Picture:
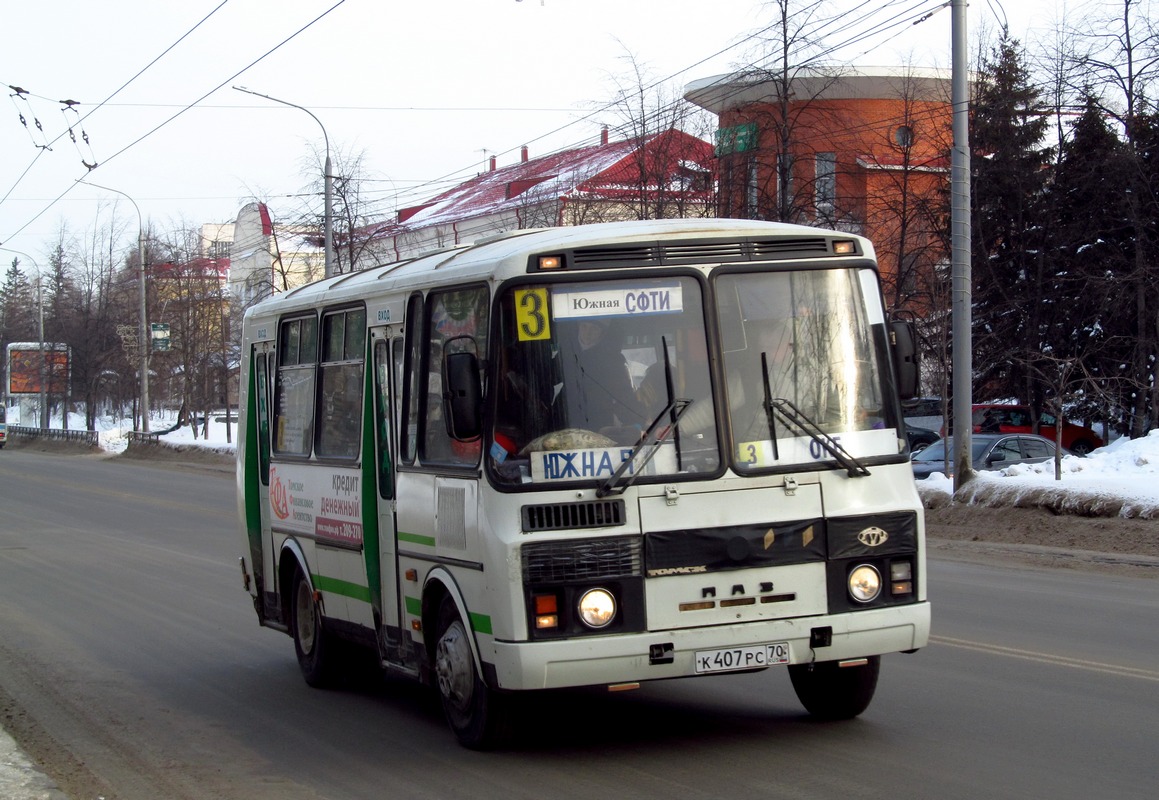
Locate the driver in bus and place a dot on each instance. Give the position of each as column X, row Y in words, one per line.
column 690, row 381
column 600, row 388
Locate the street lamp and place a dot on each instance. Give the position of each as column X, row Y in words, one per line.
column 143, row 339
column 43, row 357
column 327, row 182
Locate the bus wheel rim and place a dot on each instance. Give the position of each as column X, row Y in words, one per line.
column 454, row 667
column 304, row 617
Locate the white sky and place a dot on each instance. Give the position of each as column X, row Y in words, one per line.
column 406, row 84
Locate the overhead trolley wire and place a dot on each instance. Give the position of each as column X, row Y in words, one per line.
column 146, row 135
column 71, row 103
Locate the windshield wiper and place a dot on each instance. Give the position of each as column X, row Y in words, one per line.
column 793, row 416
column 653, row 437
column 670, row 394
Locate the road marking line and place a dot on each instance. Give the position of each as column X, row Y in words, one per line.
column 1047, row 658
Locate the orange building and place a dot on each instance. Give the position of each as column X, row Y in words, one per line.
column 862, row 150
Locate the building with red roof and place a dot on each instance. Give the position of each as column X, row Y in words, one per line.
column 665, row 175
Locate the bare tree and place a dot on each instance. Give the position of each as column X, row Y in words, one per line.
column 665, row 182
column 351, row 209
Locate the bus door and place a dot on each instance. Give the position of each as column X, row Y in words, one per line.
column 438, row 489
column 387, row 382
column 257, row 480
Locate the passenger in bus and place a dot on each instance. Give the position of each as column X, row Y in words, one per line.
column 690, row 381
column 599, row 388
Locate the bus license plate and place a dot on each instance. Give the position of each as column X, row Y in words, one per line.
column 734, row 658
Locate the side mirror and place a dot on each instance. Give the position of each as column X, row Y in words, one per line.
column 903, row 345
column 463, row 395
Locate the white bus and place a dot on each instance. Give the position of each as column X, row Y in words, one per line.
column 588, row 456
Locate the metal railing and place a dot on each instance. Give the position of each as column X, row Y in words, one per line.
column 143, row 438
column 92, row 438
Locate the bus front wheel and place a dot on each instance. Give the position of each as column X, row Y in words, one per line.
column 312, row 641
column 474, row 711
column 832, row 692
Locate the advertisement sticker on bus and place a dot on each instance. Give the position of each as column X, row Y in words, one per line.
column 322, row 504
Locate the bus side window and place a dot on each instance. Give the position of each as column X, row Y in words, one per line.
column 341, row 368
column 383, row 405
column 261, row 363
column 412, row 365
column 456, row 313
column 294, row 388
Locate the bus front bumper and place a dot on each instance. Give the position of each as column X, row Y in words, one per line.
column 626, row 658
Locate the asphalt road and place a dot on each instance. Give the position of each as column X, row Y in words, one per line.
column 131, row 666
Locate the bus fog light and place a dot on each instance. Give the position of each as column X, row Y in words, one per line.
column 901, row 571
column 597, row 608
column 864, row 583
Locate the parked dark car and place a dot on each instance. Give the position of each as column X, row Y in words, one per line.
column 988, row 451
column 919, row 438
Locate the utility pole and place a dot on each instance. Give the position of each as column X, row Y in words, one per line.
column 962, row 355
column 327, row 183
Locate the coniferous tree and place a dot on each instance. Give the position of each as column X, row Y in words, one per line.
column 1009, row 173
column 1144, row 194
column 1091, row 255
column 17, row 306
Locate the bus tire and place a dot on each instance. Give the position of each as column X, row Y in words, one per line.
column 473, row 710
column 312, row 642
column 830, row 692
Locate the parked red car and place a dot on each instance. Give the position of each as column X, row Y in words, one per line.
column 1002, row 418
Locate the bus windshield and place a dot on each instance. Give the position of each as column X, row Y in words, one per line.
column 803, row 370
column 584, row 368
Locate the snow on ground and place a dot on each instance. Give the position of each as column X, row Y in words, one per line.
column 114, row 432
column 1121, row 479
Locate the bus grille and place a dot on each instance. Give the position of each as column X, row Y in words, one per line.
column 561, row 516
column 582, row 560
column 704, row 252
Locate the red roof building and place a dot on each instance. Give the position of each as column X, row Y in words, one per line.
column 665, row 175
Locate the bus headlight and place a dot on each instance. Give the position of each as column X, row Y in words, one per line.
column 864, row 583
column 597, row 608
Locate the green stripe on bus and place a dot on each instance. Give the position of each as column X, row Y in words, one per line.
column 480, row 623
column 344, row 588
column 415, row 538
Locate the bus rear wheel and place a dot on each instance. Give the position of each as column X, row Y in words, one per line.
column 312, row 642
column 832, row 692
column 474, row 711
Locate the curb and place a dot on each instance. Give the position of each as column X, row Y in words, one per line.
column 20, row 779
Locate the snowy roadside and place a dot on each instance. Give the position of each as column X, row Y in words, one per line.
column 1119, row 480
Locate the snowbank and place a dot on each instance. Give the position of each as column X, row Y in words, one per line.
column 1121, row 479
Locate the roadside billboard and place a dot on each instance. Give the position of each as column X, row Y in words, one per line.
column 27, row 362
